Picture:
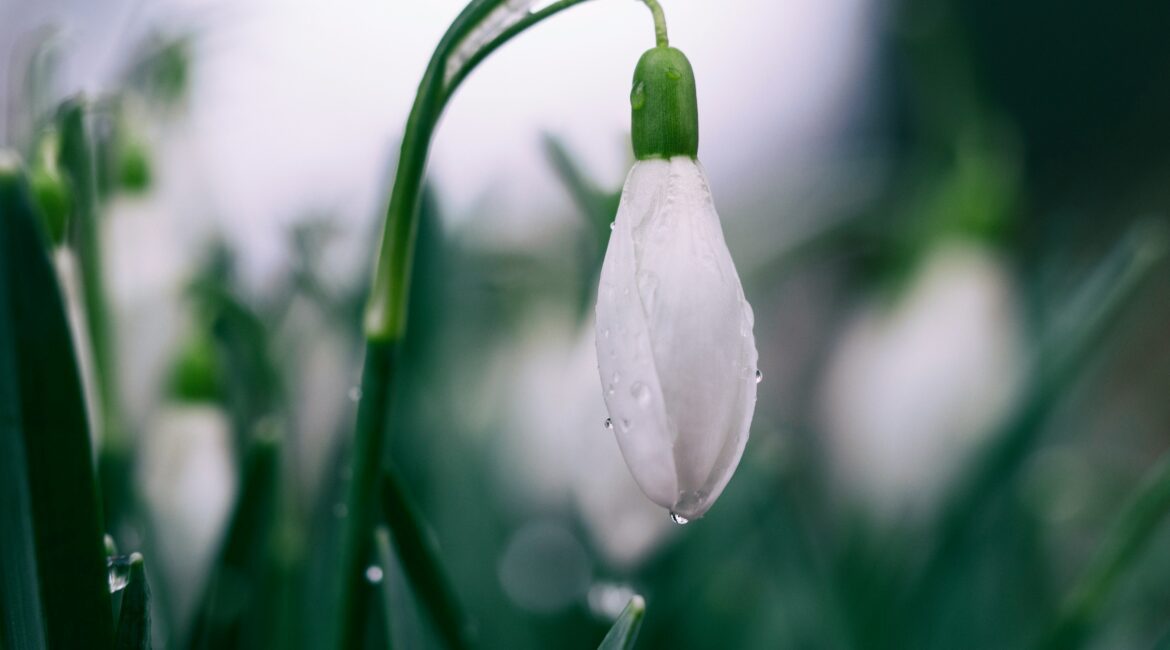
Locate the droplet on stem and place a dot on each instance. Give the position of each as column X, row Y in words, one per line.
column 119, row 572
column 374, row 574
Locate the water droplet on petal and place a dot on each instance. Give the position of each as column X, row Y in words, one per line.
column 374, row 574
column 608, row 422
column 759, row 375
column 678, row 519
column 119, row 572
column 611, row 225
column 355, row 394
column 617, row 378
column 641, row 392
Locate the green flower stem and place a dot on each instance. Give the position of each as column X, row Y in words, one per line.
column 659, row 23
column 77, row 158
column 386, row 310
column 1123, row 545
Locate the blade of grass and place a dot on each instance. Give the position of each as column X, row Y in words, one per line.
column 419, row 556
column 624, row 632
column 133, row 631
column 65, row 505
column 399, row 611
column 231, row 613
column 1085, row 328
column 1123, row 545
column 21, row 619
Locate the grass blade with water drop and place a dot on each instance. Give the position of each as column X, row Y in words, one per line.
column 66, row 523
column 133, row 631
column 624, row 632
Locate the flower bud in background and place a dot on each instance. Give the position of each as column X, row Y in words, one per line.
column 915, row 386
column 50, row 189
column 675, row 347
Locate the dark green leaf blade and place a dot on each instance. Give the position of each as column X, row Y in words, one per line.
column 624, row 632
column 21, row 619
column 66, row 521
column 420, row 560
column 1123, row 545
column 134, row 621
column 231, row 613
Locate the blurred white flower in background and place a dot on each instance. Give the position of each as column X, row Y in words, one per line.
column 189, row 484
column 916, row 385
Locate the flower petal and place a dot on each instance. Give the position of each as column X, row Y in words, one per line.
column 674, row 326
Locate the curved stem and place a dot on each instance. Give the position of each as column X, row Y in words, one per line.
column 505, row 36
column 659, row 23
column 385, row 316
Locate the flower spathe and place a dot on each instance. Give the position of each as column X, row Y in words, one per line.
column 675, row 347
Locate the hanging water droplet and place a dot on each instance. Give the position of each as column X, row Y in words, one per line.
column 759, row 375
column 611, row 225
column 355, row 394
column 340, row 510
column 641, row 393
column 608, row 423
column 374, row 574
column 678, row 519
column 119, row 572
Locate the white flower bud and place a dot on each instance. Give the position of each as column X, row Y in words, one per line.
column 674, row 339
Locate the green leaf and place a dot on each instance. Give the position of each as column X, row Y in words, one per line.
column 134, row 621
column 1123, row 545
column 625, row 630
column 235, row 608
column 419, row 556
column 21, row 619
column 399, row 609
column 43, row 388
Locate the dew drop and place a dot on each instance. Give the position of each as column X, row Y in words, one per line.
column 605, row 333
column 374, row 574
column 119, row 572
column 355, row 394
column 611, row 225
column 759, row 375
column 638, row 96
column 608, row 422
column 678, row 519
column 641, row 393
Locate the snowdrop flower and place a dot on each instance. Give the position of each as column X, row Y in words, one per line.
column 674, row 333
column 914, row 387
